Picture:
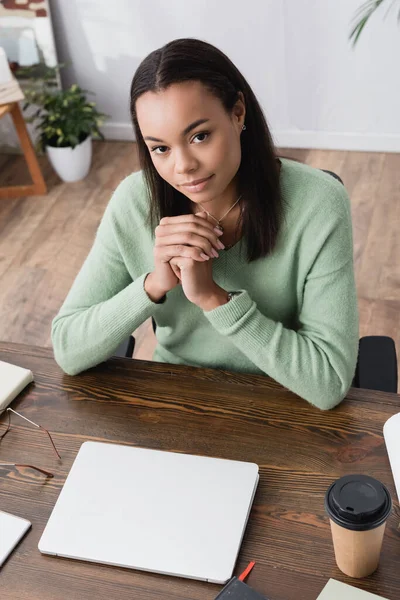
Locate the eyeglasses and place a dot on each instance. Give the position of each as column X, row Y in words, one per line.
column 8, row 427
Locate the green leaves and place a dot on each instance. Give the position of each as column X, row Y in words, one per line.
column 64, row 118
column 363, row 15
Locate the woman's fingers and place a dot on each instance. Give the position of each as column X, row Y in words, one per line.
column 191, row 228
column 178, row 264
column 176, row 270
column 188, row 239
column 165, row 253
column 195, row 226
column 187, row 219
column 193, row 222
column 184, row 234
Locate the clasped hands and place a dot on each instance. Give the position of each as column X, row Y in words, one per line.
column 185, row 248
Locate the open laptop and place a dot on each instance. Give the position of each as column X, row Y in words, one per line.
column 163, row 512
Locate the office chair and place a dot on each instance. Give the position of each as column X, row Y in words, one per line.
column 376, row 364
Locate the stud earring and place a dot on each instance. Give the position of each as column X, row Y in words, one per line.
column 244, row 127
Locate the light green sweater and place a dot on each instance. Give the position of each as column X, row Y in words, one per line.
column 295, row 319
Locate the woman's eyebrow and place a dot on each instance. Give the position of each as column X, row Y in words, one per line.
column 187, row 130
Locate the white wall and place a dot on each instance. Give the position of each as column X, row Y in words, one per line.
column 315, row 89
column 339, row 97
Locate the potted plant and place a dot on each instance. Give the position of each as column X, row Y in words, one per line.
column 66, row 123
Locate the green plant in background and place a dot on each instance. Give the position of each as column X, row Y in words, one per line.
column 64, row 118
column 363, row 15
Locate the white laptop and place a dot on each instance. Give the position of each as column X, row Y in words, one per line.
column 163, row 512
column 391, row 433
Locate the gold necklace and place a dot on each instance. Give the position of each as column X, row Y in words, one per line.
column 218, row 221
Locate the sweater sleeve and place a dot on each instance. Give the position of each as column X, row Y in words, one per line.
column 317, row 360
column 104, row 305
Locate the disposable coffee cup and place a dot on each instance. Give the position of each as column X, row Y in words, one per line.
column 358, row 507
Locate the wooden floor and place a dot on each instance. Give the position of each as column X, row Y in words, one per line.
column 44, row 240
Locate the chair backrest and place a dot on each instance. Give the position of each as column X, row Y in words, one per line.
column 377, row 364
column 333, row 175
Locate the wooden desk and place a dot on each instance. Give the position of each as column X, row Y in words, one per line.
column 300, row 451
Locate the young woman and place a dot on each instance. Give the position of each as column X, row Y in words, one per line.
column 244, row 261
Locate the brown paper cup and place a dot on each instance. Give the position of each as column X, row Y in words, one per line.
column 358, row 507
column 357, row 552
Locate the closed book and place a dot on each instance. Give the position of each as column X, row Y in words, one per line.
column 237, row 590
column 13, row 380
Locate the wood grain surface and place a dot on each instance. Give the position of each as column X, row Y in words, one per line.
column 300, row 450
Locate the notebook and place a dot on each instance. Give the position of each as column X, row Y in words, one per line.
column 391, row 433
column 335, row 590
column 238, row 590
column 164, row 512
column 13, row 380
column 12, row 529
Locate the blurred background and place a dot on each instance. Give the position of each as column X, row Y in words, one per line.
column 316, row 89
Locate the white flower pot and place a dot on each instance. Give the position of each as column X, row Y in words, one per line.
column 71, row 164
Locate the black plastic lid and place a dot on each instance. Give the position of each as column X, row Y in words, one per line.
column 358, row 502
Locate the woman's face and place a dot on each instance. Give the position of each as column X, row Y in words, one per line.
column 190, row 137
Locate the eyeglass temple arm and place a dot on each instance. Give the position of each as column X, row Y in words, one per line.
column 32, row 423
column 51, row 440
column 47, row 473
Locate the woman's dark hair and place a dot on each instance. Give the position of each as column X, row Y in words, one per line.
column 258, row 175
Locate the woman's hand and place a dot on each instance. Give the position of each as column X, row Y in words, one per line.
column 197, row 280
column 185, row 236
column 189, row 236
column 198, row 284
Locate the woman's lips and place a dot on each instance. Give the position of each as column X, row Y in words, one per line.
column 197, row 187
